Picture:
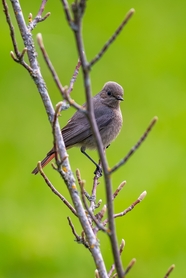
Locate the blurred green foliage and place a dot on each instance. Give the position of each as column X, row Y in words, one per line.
column 148, row 59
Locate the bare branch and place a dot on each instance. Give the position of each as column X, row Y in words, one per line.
column 78, row 12
column 94, row 188
column 97, row 274
column 122, row 245
column 19, row 56
column 63, row 90
column 120, row 187
column 67, row 13
column 171, row 268
column 98, row 224
column 38, row 18
column 54, row 190
column 140, row 198
column 79, row 239
column 49, row 64
column 74, row 77
column 57, row 113
column 67, row 175
column 138, row 144
column 12, row 33
column 110, row 41
column 130, row 265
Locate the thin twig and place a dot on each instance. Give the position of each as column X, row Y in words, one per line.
column 12, row 33
column 42, row 7
column 63, row 90
column 97, row 274
column 68, row 16
column 120, row 187
column 57, row 113
column 19, row 56
column 110, row 41
column 98, row 224
column 171, row 268
column 138, row 144
column 38, row 18
column 82, row 184
column 100, row 214
column 130, row 265
column 79, row 239
column 49, row 64
column 94, row 188
column 122, row 245
column 54, row 190
column 140, row 198
column 74, row 77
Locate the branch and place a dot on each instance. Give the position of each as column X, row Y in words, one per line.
column 122, row 245
column 38, row 18
column 63, row 90
column 78, row 10
column 110, row 41
column 54, row 190
column 96, row 221
column 171, row 268
column 138, row 144
column 79, row 239
column 67, row 175
column 17, row 57
column 140, row 198
column 130, row 265
column 120, row 187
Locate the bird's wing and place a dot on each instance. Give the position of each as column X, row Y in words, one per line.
column 78, row 128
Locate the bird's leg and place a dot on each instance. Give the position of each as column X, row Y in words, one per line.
column 98, row 167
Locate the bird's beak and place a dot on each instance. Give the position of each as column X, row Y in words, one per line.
column 119, row 98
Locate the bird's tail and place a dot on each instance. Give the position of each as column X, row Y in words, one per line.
column 45, row 161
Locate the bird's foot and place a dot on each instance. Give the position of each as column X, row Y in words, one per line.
column 98, row 171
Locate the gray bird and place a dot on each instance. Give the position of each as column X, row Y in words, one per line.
column 109, row 120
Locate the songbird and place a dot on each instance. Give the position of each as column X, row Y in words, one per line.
column 109, row 120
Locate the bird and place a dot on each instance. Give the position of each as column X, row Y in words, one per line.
column 77, row 132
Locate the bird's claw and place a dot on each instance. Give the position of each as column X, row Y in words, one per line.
column 98, row 171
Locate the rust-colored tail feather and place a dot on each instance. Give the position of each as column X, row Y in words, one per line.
column 44, row 162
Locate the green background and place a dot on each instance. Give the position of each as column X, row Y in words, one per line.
column 148, row 59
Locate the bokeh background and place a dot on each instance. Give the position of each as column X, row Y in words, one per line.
column 148, row 59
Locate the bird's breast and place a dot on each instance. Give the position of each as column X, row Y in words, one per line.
column 110, row 132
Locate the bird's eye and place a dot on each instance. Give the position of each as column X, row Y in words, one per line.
column 109, row 93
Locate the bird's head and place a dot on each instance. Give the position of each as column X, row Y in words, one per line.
column 111, row 94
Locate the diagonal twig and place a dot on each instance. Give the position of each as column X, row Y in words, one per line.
column 120, row 187
column 140, row 198
column 130, row 265
column 54, row 190
column 110, row 41
column 79, row 239
column 122, row 245
column 138, row 144
column 63, row 90
column 17, row 57
column 171, row 268
column 38, row 18
column 96, row 221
